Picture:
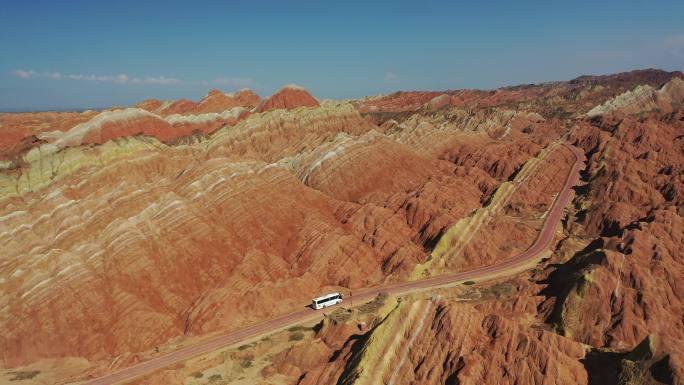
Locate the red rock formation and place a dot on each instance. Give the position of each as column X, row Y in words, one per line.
column 627, row 277
column 125, row 123
column 216, row 101
column 116, row 124
column 396, row 102
column 285, row 133
column 438, row 102
column 644, row 98
column 628, row 80
column 247, row 98
column 399, row 196
column 158, row 285
column 430, row 342
column 165, row 285
column 151, row 105
column 510, row 221
column 301, row 358
column 498, row 159
column 206, row 123
column 182, row 106
column 17, row 129
column 114, row 242
column 415, row 100
column 291, row 96
column 577, row 95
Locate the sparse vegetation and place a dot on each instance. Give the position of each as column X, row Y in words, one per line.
column 498, row 290
column 246, row 363
column 468, row 283
column 225, row 354
column 495, row 291
column 24, row 375
column 296, row 336
column 374, row 305
column 197, row 375
column 340, row 315
column 245, row 346
column 634, row 373
column 298, row 328
column 215, row 377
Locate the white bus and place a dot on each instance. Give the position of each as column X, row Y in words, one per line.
column 326, row 300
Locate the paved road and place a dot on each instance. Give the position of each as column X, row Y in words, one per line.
column 541, row 243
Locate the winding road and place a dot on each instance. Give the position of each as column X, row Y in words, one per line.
column 543, row 241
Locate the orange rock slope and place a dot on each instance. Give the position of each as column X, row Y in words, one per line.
column 436, row 342
column 625, row 285
column 161, row 237
column 214, row 101
column 290, row 96
column 130, row 229
column 23, row 131
column 611, row 300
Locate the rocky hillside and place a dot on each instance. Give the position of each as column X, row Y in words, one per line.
column 606, row 308
column 130, row 230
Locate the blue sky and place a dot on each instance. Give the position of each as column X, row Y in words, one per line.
column 78, row 54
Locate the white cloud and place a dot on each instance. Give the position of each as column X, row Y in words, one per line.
column 161, row 80
column 115, row 79
column 237, row 82
column 391, row 77
column 234, row 82
column 24, row 74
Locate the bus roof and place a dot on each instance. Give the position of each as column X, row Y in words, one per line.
column 326, row 296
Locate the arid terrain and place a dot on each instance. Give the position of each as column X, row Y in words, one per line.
column 131, row 233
